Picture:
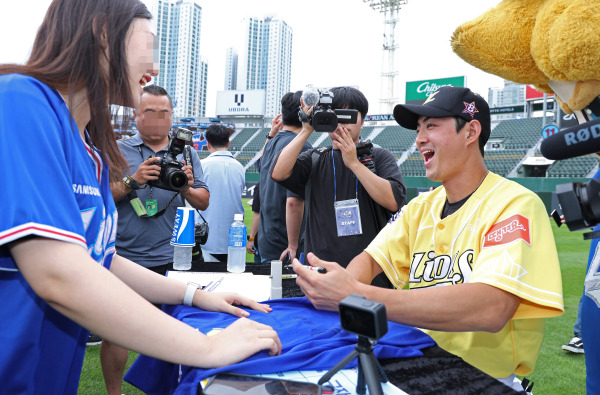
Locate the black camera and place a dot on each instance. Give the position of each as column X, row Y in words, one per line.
column 323, row 118
column 363, row 317
column 580, row 203
column 364, row 151
column 171, row 176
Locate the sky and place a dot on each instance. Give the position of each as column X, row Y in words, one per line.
column 335, row 42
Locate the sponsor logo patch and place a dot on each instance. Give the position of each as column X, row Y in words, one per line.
column 507, row 231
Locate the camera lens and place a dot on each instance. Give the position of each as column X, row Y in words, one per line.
column 176, row 178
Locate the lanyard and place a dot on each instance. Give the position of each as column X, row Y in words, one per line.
column 133, row 195
column 334, row 180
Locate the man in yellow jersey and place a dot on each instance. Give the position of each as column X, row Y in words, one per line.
column 477, row 253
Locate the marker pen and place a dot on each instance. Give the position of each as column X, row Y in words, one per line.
column 318, row 269
column 301, row 258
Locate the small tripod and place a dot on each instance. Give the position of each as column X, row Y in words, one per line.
column 368, row 368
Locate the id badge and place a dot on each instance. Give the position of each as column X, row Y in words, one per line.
column 151, row 207
column 347, row 218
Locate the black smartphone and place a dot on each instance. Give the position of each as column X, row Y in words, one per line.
column 286, row 260
column 234, row 384
column 556, row 217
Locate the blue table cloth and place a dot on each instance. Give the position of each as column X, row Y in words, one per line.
column 312, row 340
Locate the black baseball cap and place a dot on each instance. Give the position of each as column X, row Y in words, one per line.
column 447, row 101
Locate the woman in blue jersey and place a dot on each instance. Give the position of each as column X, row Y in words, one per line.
column 58, row 219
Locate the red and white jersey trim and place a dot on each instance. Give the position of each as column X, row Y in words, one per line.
column 32, row 228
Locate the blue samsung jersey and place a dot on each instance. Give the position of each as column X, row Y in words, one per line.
column 53, row 185
column 312, row 340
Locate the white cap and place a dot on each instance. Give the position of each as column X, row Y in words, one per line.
column 238, row 217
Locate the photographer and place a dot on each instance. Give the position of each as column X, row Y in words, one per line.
column 137, row 236
column 337, row 181
column 146, row 241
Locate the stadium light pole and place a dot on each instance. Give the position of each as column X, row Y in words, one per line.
column 390, row 10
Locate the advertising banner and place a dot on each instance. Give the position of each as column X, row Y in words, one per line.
column 241, row 103
column 418, row 91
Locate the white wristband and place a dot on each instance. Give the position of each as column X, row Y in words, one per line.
column 190, row 291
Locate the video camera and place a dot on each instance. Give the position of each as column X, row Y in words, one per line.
column 363, row 317
column 323, row 118
column 171, row 176
column 580, row 203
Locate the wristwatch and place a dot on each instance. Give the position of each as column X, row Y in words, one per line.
column 131, row 183
column 269, row 137
column 190, row 291
column 249, row 238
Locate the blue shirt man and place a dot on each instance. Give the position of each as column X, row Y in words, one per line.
column 146, row 241
column 225, row 177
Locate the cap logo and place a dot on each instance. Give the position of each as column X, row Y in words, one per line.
column 470, row 109
column 431, row 97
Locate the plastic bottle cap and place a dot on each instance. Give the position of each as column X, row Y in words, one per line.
column 238, row 217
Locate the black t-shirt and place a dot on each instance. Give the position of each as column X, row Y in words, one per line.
column 272, row 230
column 321, row 231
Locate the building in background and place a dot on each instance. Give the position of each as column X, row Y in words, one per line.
column 231, row 65
column 509, row 101
column 182, row 71
column 265, row 60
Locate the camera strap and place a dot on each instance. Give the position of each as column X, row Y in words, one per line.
column 139, row 208
column 200, row 214
column 304, row 117
column 137, row 205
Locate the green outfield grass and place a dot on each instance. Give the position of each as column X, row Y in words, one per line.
column 557, row 372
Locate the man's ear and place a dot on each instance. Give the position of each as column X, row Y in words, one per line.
column 473, row 132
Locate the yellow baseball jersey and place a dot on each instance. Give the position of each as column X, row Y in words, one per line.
column 502, row 237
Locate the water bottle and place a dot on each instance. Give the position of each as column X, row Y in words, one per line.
column 236, row 252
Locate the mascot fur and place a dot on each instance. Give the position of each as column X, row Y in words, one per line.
column 551, row 44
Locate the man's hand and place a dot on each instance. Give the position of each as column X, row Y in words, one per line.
column 224, row 302
column 276, row 125
column 342, row 140
column 147, row 171
column 324, row 290
column 284, row 255
column 250, row 247
column 308, row 111
column 189, row 172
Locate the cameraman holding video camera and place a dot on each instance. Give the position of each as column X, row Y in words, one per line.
column 145, row 239
column 347, row 201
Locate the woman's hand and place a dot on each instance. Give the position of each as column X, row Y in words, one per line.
column 240, row 340
column 225, row 302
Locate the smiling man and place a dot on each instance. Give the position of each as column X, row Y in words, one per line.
column 477, row 253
